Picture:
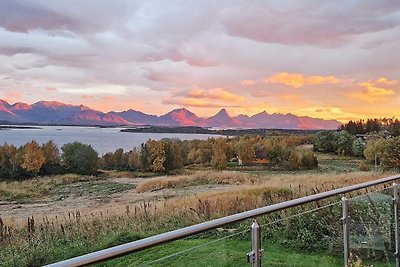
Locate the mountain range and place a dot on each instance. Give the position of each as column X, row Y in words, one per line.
column 52, row 112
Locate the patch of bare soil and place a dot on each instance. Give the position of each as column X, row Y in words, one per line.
column 61, row 205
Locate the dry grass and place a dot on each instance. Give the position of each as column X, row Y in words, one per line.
column 309, row 183
column 199, row 207
column 128, row 174
column 208, row 205
column 39, row 239
column 303, row 183
column 150, row 215
column 37, row 187
column 208, row 177
column 88, row 229
column 266, row 191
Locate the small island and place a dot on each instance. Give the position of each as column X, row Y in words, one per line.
column 10, row 127
column 225, row 132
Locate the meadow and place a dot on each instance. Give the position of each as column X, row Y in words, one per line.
column 69, row 215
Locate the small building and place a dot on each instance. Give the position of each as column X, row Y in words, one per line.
column 256, row 162
column 373, row 136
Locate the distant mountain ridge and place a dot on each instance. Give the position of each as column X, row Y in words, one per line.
column 52, row 112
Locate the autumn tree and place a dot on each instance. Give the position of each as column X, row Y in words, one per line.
column 219, row 149
column 51, row 153
column 52, row 156
column 7, row 153
column 390, row 158
column 274, row 150
column 173, row 154
column 375, row 149
column 33, row 158
column 201, row 153
column 294, row 160
column 309, row 160
column 117, row 160
column 155, row 151
column 134, row 160
column 8, row 160
column 245, row 150
column 194, row 156
column 107, row 161
column 185, row 148
column 120, row 159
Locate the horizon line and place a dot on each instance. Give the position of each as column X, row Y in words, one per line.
column 186, row 108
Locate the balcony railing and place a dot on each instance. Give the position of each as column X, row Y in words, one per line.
column 353, row 231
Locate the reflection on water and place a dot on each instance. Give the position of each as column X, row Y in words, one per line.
column 102, row 139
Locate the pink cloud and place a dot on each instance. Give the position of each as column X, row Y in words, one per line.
column 13, row 96
column 324, row 24
column 108, row 97
column 51, row 89
column 87, row 96
column 214, row 94
column 298, row 100
column 105, row 97
column 248, row 82
column 190, row 102
column 206, row 98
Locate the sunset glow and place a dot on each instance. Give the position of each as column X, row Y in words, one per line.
column 332, row 60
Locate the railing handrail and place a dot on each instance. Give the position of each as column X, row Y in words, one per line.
column 128, row 248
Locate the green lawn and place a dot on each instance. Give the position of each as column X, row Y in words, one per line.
column 225, row 253
column 94, row 189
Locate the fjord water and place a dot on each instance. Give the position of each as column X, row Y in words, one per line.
column 102, row 139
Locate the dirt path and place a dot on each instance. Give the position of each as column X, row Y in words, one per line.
column 116, row 202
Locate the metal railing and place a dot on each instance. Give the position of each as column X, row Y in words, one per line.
column 256, row 254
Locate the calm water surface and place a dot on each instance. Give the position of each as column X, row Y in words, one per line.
column 102, row 139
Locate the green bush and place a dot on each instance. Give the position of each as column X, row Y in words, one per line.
column 323, row 141
column 80, row 158
column 391, row 154
column 375, row 148
column 358, row 148
column 294, row 161
column 342, row 143
column 308, row 160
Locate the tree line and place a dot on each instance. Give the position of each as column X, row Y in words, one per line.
column 165, row 155
column 380, row 150
column 162, row 156
column 392, row 125
column 33, row 159
column 168, row 154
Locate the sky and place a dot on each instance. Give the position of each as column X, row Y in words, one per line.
column 327, row 59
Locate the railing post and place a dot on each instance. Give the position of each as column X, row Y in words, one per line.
column 396, row 223
column 345, row 220
column 254, row 257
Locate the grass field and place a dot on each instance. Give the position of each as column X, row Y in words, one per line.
column 77, row 214
column 230, row 253
column 223, row 253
